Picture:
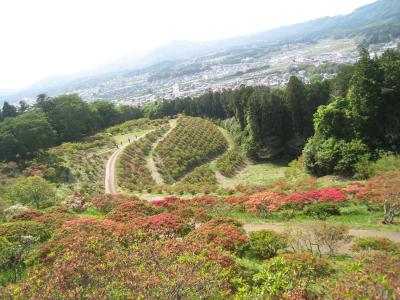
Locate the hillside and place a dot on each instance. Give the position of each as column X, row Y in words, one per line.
column 251, row 193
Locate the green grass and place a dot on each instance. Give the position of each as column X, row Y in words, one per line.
column 91, row 212
column 255, row 174
column 356, row 217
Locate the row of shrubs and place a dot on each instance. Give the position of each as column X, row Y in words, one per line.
column 132, row 171
column 230, row 163
column 192, row 142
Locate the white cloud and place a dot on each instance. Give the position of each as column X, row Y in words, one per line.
column 52, row 37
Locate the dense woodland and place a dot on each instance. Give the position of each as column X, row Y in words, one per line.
column 51, row 121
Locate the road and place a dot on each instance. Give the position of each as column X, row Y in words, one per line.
column 110, row 178
column 344, row 249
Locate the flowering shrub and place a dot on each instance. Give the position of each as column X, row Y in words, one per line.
column 107, row 202
column 14, row 210
column 166, row 224
column 226, row 233
column 76, row 202
column 326, row 194
column 354, row 189
column 28, row 215
column 266, row 202
column 91, row 265
column 132, row 209
column 54, row 217
column 384, row 189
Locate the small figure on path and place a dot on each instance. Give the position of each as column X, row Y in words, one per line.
column 129, row 140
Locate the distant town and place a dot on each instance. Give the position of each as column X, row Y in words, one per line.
column 267, row 67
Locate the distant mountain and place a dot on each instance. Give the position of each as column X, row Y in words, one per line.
column 380, row 19
column 373, row 23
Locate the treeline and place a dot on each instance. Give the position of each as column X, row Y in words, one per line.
column 50, row 121
column 350, row 120
column 270, row 122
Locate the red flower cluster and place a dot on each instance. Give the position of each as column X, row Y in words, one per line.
column 226, row 233
column 166, row 224
column 273, row 201
column 354, row 189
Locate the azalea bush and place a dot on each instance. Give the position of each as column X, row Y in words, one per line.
column 373, row 275
column 383, row 190
column 287, row 277
column 375, row 243
column 322, row 210
column 94, row 258
column 222, row 232
column 107, row 202
column 265, row 244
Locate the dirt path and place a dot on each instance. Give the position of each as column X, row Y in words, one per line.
column 221, row 179
column 110, row 178
column 150, row 161
column 354, row 233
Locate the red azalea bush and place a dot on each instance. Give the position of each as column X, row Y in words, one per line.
column 379, row 188
column 106, row 202
column 129, row 210
column 29, row 215
column 165, row 224
column 193, row 211
column 53, row 217
column 272, row 201
column 226, row 233
column 85, row 262
column 266, row 202
column 353, row 189
column 383, row 191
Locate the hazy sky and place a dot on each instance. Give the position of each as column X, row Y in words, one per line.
column 40, row 38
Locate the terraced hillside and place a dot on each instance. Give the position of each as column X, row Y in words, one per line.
column 132, row 166
column 193, row 142
column 82, row 163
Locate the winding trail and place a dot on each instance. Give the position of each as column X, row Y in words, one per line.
column 110, row 178
column 150, row 161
